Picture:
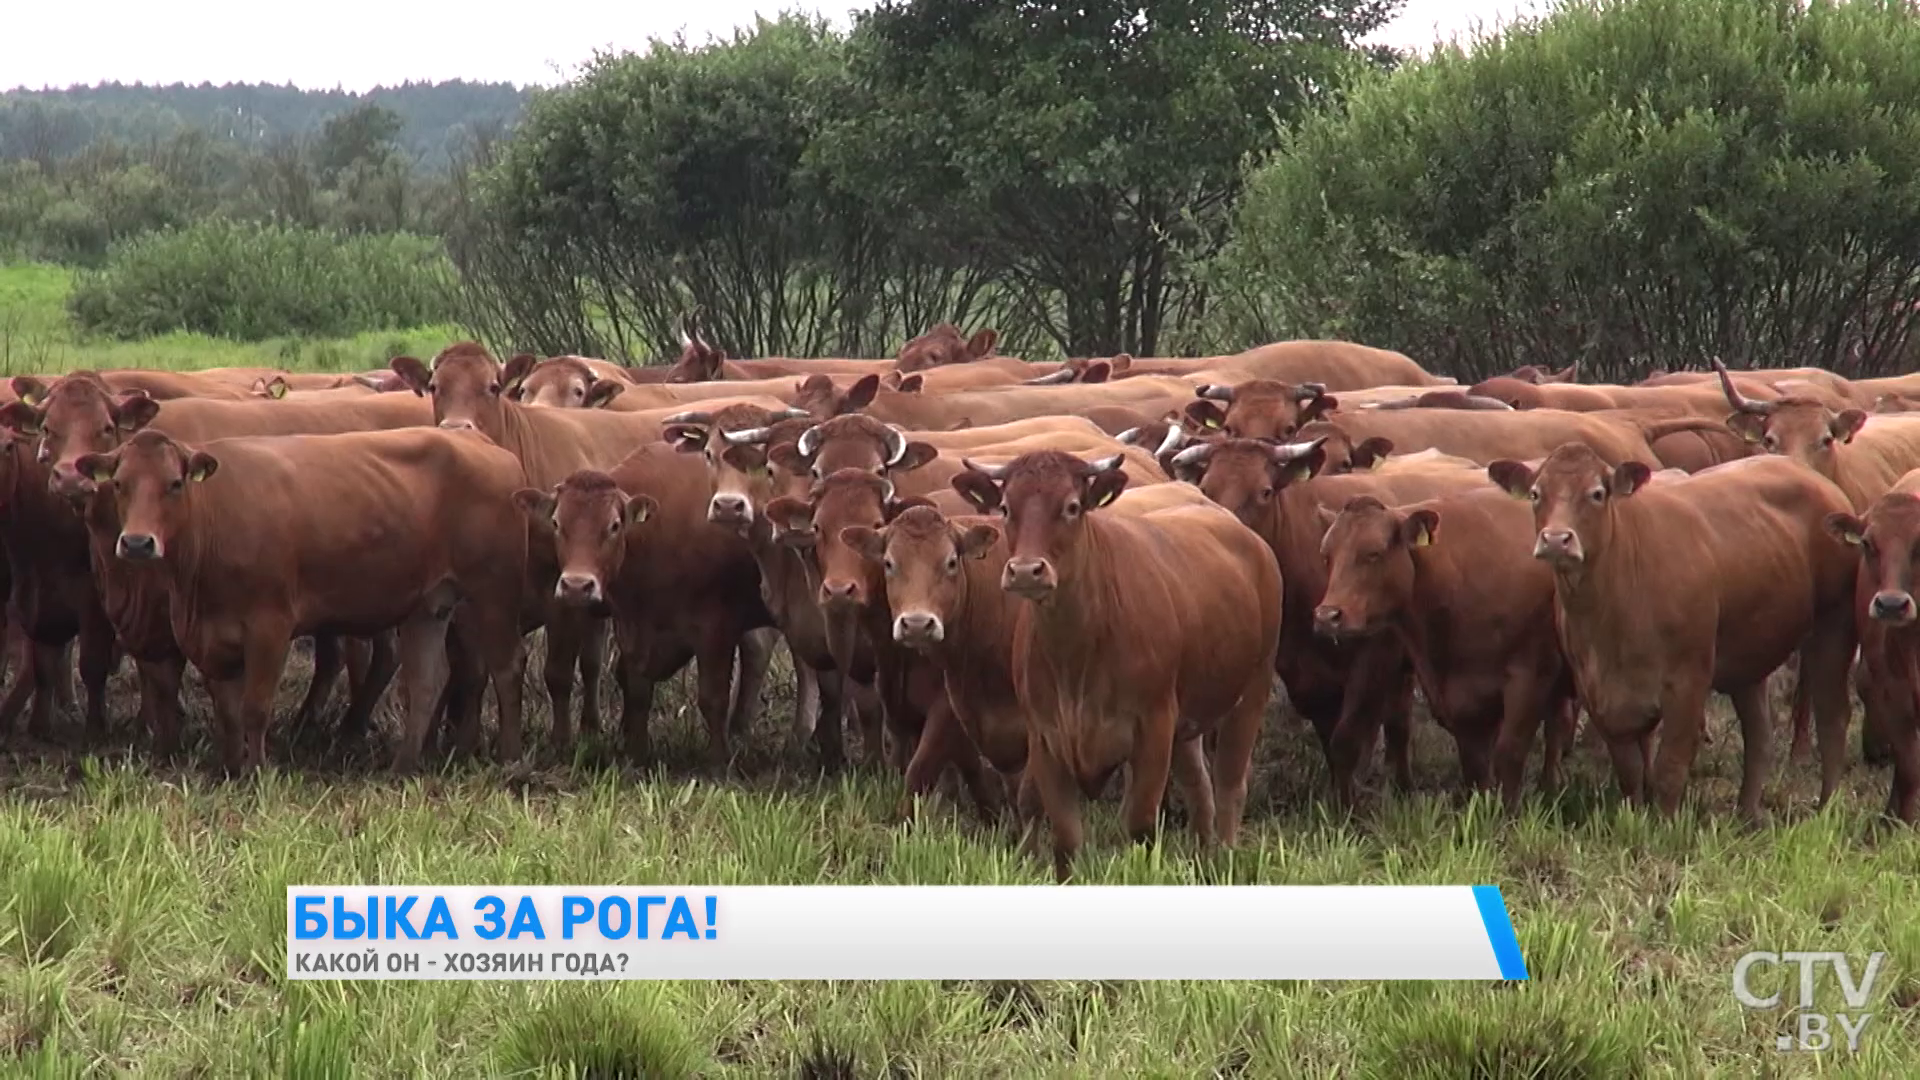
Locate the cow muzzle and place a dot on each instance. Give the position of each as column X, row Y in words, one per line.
column 729, row 509
column 840, row 594
column 1331, row 622
column 1892, row 606
column 138, row 547
column 577, row 589
column 1558, row 545
column 455, row 424
column 65, row 481
column 1031, row 579
column 916, row 629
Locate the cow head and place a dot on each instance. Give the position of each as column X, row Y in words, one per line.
column 943, row 345
column 699, row 361
column 591, row 520
column 1164, row 439
column 151, row 479
column 562, row 382
column 1245, row 475
column 1573, row 495
column 1045, row 496
column 847, row 499
column 1535, row 375
column 1259, row 408
column 1888, row 540
column 467, row 386
column 1369, row 553
column 1798, row 427
column 818, row 395
column 273, row 389
column 1515, row 392
column 856, row 441
column 919, row 554
column 75, row 416
column 734, row 441
column 1343, row 454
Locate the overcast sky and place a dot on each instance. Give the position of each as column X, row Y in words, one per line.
column 358, row 44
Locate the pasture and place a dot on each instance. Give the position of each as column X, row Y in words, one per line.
column 142, row 907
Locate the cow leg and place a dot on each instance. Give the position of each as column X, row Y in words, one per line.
column 99, row 654
column 466, row 691
column 327, row 662
column 1375, row 685
column 1196, row 790
column 1060, row 797
column 1628, row 744
column 1683, row 712
column 756, row 655
column 1233, row 757
column 806, row 701
column 1756, row 737
column 566, row 632
column 943, row 742
column 636, row 692
column 160, row 703
column 49, row 676
column 266, row 662
column 423, row 667
column 228, row 711
column 502, row 648
column 714, row 692
column 1521, row 705
column 828, row 737
column 592, row 664
column 365, row 689
column 61, row 678
column 1148, row 769
column 1874, row 747
column 22, row 688
column 1902, row 733
column 1801, row 719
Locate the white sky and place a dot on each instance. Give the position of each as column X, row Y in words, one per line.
column 358, row 44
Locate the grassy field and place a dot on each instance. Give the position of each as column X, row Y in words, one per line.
column 142, row 915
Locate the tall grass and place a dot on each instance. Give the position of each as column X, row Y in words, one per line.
column 249, row 282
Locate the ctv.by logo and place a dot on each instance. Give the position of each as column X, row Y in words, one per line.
column 1814, row 1030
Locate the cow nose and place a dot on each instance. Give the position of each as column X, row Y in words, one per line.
column 1556, row 544
column 915, row 627
column 66, row 480
column 451, row 424
column 577, row 587
column 1028, row 576
column 724, row 507
column 1892, row 606
column 838, row 592
column 1327, row 619
column 138, row 546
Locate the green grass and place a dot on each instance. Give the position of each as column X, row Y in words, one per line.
column 36, row 337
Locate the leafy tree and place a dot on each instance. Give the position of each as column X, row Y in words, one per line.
column 365, row 136
column 1092, row 148
column 1648, row 182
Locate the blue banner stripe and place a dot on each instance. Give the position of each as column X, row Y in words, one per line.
column 1506, row 947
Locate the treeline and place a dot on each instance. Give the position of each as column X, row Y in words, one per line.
column 1634, row 183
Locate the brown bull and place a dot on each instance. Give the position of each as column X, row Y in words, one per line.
column 681, row 589
column 1454, row 580
column 1347, row 691
column 1666, row 592
column 264, row 540
column 1142, row 635
column 1888, row 540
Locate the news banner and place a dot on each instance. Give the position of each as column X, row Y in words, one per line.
column 901, row 932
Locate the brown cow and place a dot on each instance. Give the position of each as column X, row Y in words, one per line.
column 1455, row 581
column 1707, row 583
column 1143, row 634
column 1258, row 408
column 1336, row 365
column 565, row 382
column 1347, row 690
column 637, row 539
column 1888, row 540
column 1530, row 433
column 981, row 408
column 265, row 540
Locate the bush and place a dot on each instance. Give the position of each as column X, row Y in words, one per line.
column 251, row 282
column 1643, row 183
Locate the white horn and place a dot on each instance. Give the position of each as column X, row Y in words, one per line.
column 1064, row 375
column 1106, row 464
column 1307, row 391
column 693, row 416
column 809, row 441
column 747, row 437
column 792, row 414
column 1215, row 392
column 1173, row 439
column 1194, row 455
column 991, row 472
column 896, row 446
column 1296, row 451
column 1128, row 436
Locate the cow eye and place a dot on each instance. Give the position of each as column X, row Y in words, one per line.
column 1598, row 494
column 815, row 472
column 1770, row 443
column 886, row 563
column 432, row 387
column 1534, row 495
column 613, row 527
column 1072, row 509
column 1266, row 493
column 176, row 485
column 1286, row 432
column 108, row 430
column 493, row 388
column 1826, row 441
column 953, row 563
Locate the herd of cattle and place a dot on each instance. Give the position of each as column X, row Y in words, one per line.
column 1032, row 573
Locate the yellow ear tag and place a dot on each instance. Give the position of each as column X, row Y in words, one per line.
column 197, row 475
column 277, row 388
column 101, row 476
column 1422, row 538
column 1213, row 421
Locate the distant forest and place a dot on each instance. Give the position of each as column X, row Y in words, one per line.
column 436, row 118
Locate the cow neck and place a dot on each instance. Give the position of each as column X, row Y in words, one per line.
column 1085, row 608
column 518, row 435
column 1601, row 594
column 1292, row 520
column 977, row 642
column 1414, row 631
column 193, row 560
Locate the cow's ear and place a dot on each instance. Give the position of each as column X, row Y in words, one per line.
column 1303, row 468
column 686, row 438
column 787, row 456
column 1122, row 363
column 276, row 388
column 896, row 507
column 870, row 543
column 916, row 455
column 202, row 466
column 1749, row 426
column 97, row 467
column 134, row 413
column 1206, row 413
column 1512, row 477
column 1420, row 527
column 412, row 372
column 20, row 418
column 1096, row 371
column 1630, row 477
column 978, row 489
column 1848, row 424
column 912, row 384
column 29, row 389
column 602, row 393
column 1316, row 407
column 536, row 504
column 639, row 508
column 1846, row 528
column 860, row 394
column 976, row 541
column 1371, row 453
column 982, row 343
column 1326, row 516
column 516, row 371
column 1105, row 487
column 792, row 521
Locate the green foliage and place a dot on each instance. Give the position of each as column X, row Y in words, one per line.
column 1641, row 182
column 617, row 1035
column 249, row 282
